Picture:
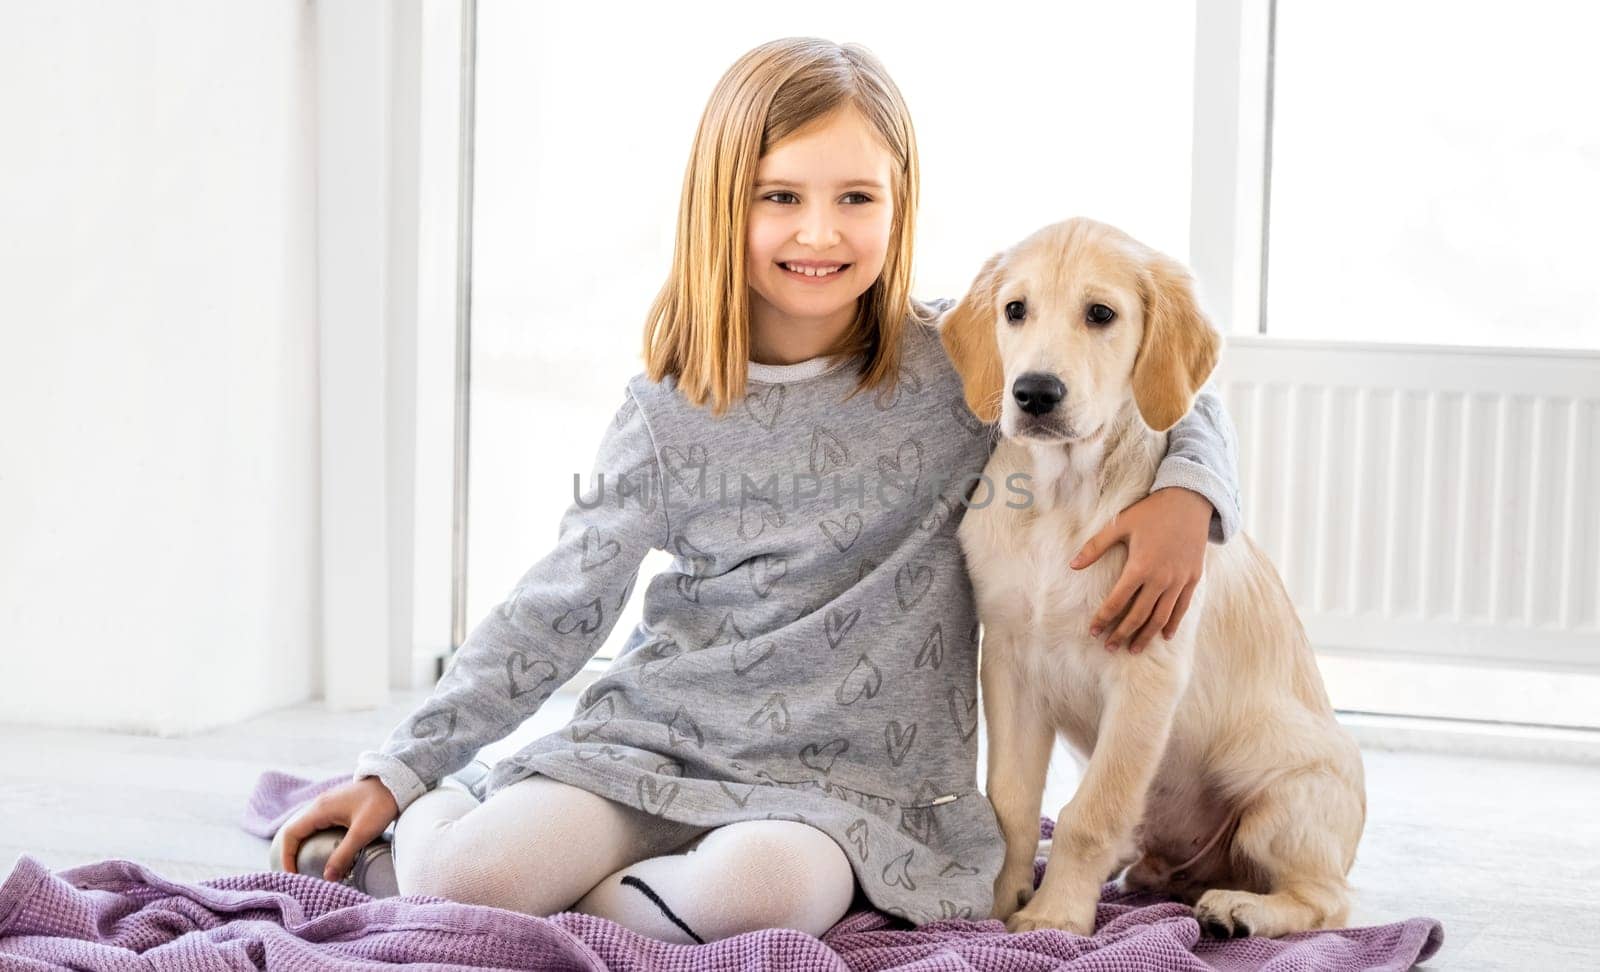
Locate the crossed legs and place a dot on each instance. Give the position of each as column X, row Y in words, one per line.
column 540, row 846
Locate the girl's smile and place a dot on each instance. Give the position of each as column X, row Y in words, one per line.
column 807, row 272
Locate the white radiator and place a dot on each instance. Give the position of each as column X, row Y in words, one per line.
column 1426, row 501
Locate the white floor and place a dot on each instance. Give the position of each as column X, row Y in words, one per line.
column 1506, row 853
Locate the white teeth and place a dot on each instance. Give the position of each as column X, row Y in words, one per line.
column 812, row 271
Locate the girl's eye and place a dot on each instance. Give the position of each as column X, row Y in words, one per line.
column 1101, row 314
column 1016, row 311
column 773, row 196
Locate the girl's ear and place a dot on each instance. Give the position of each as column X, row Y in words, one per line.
column 1179, row 348
column 967, row 332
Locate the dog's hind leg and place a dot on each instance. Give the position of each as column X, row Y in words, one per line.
column 1295, row 839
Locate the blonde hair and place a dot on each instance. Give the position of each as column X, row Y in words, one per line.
column 698, row 329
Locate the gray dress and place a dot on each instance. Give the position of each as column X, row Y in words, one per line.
column 812, row 653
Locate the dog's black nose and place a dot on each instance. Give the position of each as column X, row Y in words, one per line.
column 1037, row 392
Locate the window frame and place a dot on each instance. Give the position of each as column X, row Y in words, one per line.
column 1230, row 222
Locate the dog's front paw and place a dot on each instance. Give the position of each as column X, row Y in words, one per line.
column 1229, row 914
column 1073, row 916
column 1012, row 889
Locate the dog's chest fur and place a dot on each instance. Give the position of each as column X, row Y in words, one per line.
column 1019, row 563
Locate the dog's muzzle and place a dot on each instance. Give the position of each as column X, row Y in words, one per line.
column 1038, row 393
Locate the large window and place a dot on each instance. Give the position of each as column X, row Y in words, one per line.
column 1413, row 190
column 1435, row 174
column 1427, row 176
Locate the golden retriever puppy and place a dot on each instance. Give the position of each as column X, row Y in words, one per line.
column 1215, row 770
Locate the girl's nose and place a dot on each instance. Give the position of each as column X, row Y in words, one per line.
column 817, row 228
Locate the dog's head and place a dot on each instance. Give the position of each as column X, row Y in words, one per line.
column 1057, row 332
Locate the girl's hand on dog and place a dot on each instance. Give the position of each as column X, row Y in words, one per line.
column 364, row 807
column 1166, row 533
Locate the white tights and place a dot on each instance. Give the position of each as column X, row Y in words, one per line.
column 540, row 846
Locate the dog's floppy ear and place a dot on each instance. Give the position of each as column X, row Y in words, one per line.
column 1180, row 347
column 968, row 335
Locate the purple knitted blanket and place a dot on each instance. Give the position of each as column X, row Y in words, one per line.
column 118, row 915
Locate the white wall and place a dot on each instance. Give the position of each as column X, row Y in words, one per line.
column 158, row 363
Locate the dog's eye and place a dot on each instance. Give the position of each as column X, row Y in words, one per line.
column 1100, row 314
column 1016, row 311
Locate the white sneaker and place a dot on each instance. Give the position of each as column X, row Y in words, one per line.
column 474, row 778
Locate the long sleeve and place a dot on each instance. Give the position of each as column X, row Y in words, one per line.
column 1203, row 456
column 551, row 623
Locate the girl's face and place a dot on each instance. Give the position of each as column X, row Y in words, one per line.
column 822, row 199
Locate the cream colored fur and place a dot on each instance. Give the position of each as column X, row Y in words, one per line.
column 1215, row 770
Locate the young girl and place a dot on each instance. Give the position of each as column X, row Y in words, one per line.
column 795, row 718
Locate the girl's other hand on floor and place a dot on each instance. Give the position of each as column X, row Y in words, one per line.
column 364, row 807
